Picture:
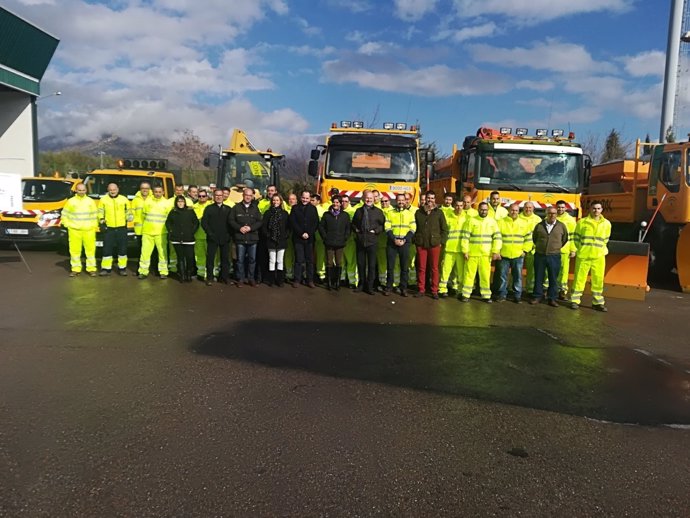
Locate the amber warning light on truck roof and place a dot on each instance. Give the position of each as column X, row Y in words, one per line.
column 148, row 164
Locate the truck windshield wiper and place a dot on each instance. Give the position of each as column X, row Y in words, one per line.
column 512, row 186
column 557, row 186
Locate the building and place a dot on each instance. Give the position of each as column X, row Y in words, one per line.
column 25, row 52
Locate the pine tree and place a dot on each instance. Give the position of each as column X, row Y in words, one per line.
column 613, row 149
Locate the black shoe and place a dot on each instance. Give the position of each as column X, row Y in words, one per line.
column 599, row 307
column 141, row 276
column 574, row 305
column 209, row 282
column 386, row 292
column 553, row 304
column 434, row 296
column 443, row 295
column 104, row 273
column 122, row 272
column 500, row 299
column 403, row 292
column 535, row 301
column 463, row 299
column 488, row 301
column 419, row 294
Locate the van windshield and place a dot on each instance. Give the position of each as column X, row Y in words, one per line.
column 97, row 184
column 45, row 190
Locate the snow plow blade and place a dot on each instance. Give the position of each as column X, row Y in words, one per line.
column 627, row 266
column 683, row 259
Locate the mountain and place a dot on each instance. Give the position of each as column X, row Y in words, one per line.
column 112, row 145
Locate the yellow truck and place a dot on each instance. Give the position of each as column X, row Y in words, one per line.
column 540, row 168
column 242, row 165
column 39, row 221
column 128, row 176
column 356, row 158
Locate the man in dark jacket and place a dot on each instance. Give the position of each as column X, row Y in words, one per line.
column 368, row 222
column 245, row 222
column 432, row 232
column 215, row 223
column 549, row 237
column 304, row 222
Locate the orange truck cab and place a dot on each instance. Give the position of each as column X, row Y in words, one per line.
column 39, row 220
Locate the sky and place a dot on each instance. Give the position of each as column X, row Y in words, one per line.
column 283, row 70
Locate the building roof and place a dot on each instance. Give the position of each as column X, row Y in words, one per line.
column 25, row 52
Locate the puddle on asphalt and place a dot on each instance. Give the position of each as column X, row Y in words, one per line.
column 519, row 366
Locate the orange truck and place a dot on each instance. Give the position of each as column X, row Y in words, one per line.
column 39, row 220
column 647, row 200
column 541, row 168
column 355, row 158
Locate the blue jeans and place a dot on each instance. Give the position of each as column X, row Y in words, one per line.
column 246, row 252
column 515, row 267
column 546, row 265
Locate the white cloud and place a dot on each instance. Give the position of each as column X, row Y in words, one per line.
column 413, row 10
column 535, row 11
column 390, row 76
column 539, row 86
column 376, row 47
column 307, row 28
column 549, row 55
column 650, row 63
column 467, row 33
column 355, row 6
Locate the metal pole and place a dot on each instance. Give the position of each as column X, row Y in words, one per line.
column 671, row 73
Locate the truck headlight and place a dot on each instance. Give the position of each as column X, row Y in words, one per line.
column 49, row 218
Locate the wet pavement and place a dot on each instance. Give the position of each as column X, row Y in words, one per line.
column 150, row 398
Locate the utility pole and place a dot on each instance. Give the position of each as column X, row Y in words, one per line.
column 671, row 73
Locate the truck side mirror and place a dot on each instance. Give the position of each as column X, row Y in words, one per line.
column 313, row 169
column 315, row 154
column 588, row 171
column 430, row 157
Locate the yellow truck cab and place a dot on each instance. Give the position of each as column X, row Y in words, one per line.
column 39, row 221
column 129, row 175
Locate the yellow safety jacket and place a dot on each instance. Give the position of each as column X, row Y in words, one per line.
column 447, row 211
column 229, row 203
column 137, row 211
column 155, row 213
column 456, row 225
column 481, row 237
column 199, row 209
column 531, row 221
column 263, row 205
column 80, row 213
column 516, row 236
column 591, row 237
column 115, row 212
column 498, row 213
column 570, row 223
column 400, row 223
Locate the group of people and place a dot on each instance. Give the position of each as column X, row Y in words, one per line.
column 441, row 248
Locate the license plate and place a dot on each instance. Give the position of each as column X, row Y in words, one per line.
column 17, row 231
column 99, row 244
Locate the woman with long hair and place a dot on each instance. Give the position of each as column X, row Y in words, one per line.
column 182, row 223
column 275, row 228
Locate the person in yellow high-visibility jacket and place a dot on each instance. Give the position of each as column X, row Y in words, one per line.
column 568, row 250
column 413, row 250
column 400, row 227
column 319, row 247
column 350, row 251
column 496, row 210
column 469, row 211
column 200, row 243
column 80, row 218
column 532, row 221
column 480, row 243
column 516, row 241
column 114, row 212
column 591, row 238
column 382, row 249
column 153, row 234
column 453, row 261
column 138, row 207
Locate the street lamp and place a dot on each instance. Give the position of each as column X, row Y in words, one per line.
column 49, row 95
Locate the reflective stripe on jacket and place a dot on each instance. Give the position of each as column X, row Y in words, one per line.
column 570, row 223
column 115, row 211
column 456, row 226
column 155, row 213
column 481, row 237
column 399, row 223
column 80, row 213
column 516, row 237
column 591, row 237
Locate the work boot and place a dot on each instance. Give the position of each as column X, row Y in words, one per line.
column 337, row 272
column 74, row 274
column 574, row 305
column 270, row 278
column 329, row 278
column 122, row 272
column 562, row 295
column 280, row 278
column 104, row 273
column 599, row 307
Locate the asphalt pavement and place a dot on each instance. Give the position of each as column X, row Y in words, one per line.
column 121, row 397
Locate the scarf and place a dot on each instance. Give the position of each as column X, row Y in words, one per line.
column 274, row 224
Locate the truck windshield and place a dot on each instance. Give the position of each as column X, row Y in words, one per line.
column 45, row 190
column 521, row 171
column 370, row 164
column 97, row 184
column 248, row 169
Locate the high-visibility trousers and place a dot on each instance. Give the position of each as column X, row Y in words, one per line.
column 77, row 240
column 200, row 247
column 289, row 260
column 482, row 265
column 595, row 268
column 114, row 240
column 413, row 265
column 319, row 256
column 172, row 256
column 565, row 271
column 148, row 243
column 529, row 273
column 453, row 263
column 382, row 259
column 350, row 260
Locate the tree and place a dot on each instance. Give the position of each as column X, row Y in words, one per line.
column 646, row 149
column 591, row 145
column 189, row 151
column 670, row 135
column 613, row 148
column 70, row 161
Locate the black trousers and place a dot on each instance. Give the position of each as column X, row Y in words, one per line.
column 185, row 259
column 392, row 253
column 304, row 259
column 211, row 247
column 366, row 265
column 115, row 242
